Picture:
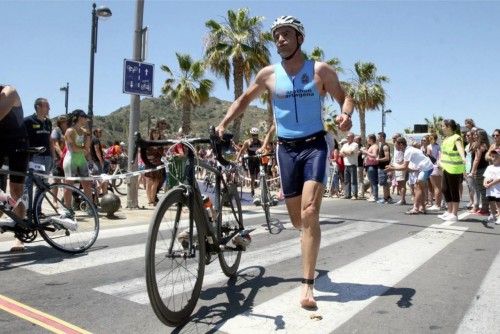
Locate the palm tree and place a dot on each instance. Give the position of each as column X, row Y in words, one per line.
column 434, row 124
column 240, row 45
column 318, row 54
column 187, row 90
column 367, row 91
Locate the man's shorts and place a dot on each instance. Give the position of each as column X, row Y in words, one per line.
column 253, row 166
column 300, row 163
column 382, row 177
column 17, row 161
column 424, row 176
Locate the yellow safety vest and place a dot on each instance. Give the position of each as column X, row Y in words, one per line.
column 451, row 161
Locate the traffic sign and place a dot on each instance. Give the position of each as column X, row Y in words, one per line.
column 137, row 77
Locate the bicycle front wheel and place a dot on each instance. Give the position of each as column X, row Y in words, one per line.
column 175, row 260
column 265, row 200
column 230, row 221
column 63, row 227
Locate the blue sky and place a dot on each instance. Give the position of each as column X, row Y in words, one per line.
column 441, row 57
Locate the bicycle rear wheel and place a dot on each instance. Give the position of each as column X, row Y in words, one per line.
column 63, row 227
column 230, row 220
column 174, row 277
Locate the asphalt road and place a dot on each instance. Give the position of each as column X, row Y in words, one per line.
column 379, row 271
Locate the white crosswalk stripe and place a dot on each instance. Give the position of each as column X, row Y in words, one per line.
column 358, row 283
column 341, row 293
column 135, row 289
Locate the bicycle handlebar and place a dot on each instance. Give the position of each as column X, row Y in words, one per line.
column 258, row 156
column 214, row 140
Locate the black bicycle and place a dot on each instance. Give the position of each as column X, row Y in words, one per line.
column 182, row 239
column 65, row 227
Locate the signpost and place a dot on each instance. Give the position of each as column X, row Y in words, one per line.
column 137, row 77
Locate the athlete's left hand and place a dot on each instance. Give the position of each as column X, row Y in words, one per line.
column 344, row 122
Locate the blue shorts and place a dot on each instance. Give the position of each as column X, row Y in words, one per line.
column 301, row 163
column 424, row 175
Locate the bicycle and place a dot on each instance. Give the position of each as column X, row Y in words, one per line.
column 266, row 199
column 63, row 227
column 181, row 239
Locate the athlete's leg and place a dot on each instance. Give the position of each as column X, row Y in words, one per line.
column 312, row 196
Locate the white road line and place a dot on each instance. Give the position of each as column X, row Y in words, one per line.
column 483, row 316
column 135, row 289
column 344, row 292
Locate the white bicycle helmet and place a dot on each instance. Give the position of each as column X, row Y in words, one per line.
column 288, row 21
column 254, row 131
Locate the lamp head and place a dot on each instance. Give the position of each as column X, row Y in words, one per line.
column 103, row 12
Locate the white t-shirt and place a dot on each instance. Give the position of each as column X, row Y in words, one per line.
column 492, row 173
column 418, row 159
column 350, row 159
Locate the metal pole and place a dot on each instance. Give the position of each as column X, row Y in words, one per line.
column 66, row 95
column 135, row 109
column 93, row 47
column 383, row 119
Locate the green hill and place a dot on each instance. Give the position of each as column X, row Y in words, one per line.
column 115, row 125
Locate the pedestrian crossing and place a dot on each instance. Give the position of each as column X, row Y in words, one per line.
column 342, row 292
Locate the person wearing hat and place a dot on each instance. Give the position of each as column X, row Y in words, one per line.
column 297, row 87
column 492, row 185
column 77, row 143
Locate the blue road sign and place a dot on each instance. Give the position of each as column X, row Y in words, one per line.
column 137, row 77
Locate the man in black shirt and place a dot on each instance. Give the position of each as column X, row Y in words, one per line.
column 39, row 128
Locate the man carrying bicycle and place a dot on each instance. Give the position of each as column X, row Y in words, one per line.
column 13, row 137
column 249, row 148
column 298, row 87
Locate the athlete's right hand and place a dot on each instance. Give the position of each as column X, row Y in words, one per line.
column 219, row 130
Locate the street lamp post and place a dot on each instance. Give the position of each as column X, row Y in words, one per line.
column 65, row 89
column 383, row 117
column 96, row 13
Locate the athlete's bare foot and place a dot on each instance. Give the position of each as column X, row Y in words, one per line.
column 307, row 295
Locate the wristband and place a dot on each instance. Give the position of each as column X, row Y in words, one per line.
column 348, row 115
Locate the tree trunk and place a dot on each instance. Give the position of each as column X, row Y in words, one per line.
column 362, row 124
column 186, row 119
column 238, row 90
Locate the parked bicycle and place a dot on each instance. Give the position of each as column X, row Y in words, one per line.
column 64, row 227
column 266, row 199
column 181, row 238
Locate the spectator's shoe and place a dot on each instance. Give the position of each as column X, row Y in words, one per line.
column 371, row 199
column 444, row 215
column 491, row 219
column 497, row 221
column 257, row 201
column 346, row 197
column 389, row 200
column 482, row 212
column 434, row 208
column 400, row 202
column 67, row 223
column 7, row 222
column 451, row 218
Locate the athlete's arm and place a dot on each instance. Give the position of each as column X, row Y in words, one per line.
column 268, row 137
column 243, row 148
column 8, row 99
column 238, row 107
column 331, row 84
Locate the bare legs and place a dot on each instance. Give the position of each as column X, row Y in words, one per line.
column 304, row 214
